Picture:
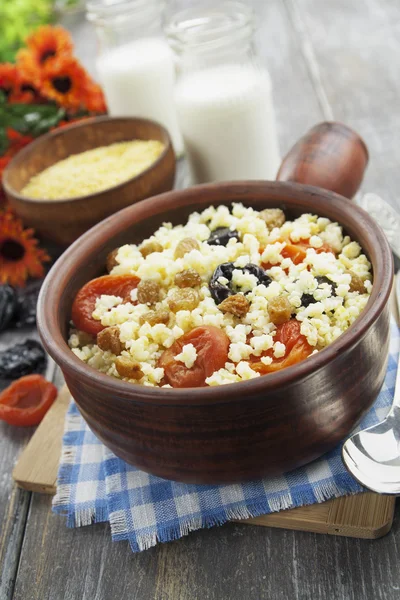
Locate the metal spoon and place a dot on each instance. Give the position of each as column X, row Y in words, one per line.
column 373, row 456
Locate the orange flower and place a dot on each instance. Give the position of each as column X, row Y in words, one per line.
column 94, row 98
column 45, row 44
column 64, row 80
column 8, row 78
column 20, row 257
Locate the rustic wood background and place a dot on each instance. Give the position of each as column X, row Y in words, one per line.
column 328, row 59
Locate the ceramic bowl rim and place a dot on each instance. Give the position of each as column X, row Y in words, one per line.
column 51, row 135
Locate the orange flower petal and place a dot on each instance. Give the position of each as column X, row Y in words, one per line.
column 20, row 257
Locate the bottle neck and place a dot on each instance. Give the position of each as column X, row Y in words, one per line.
column 119, row 22
column 219, row 34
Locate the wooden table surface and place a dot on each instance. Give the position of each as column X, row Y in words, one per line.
column 328, row 59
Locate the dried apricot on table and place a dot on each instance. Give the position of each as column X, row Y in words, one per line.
column 211, row 346
column 85, row 300
column 27, row 400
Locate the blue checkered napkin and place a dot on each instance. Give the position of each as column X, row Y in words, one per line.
column 94, row 485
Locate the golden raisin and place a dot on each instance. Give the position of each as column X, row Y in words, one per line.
column 187, row 278
column 111, row 260
column 127, row 367
column 148, row 291
column 108, row 339
column 236, row 305
column 356, row 283
column 185, row 246
column 155, row 316
column 279, row 310
column 183, row 299
column 149, row 247
column 273, row 217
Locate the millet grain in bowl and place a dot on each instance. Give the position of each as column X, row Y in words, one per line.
column 231, row 295
column 94, row 170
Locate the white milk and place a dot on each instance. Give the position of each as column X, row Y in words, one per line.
column 227, row 119
column 138, row 79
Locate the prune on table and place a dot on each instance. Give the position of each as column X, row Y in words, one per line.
column 220, row 291
column 8, row 305
column 27, row 298
column 22, row 359
column 221, row 236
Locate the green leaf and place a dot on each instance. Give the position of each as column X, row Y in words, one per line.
column 30, row 119
column 4, row 143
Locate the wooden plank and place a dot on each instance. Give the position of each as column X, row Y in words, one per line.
column 234, row 562
column 354, row 46
column 37, row 467
column 367, row 516
column 14, row 503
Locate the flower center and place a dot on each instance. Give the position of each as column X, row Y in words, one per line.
column 25, row 87
column 62, row 84
column 46, row 55
column 11, row 250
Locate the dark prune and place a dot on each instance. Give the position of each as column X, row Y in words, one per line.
column 324, row 279
column 26, row 304
column 259, row 273
column 221, row 236
column 308, row 299
column 22, row 359
column 8, row 305
column 220, row 291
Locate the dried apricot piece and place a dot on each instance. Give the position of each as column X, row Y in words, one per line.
column 27, row 400
column 85, row 300
column 211, row 346
column 297, row 349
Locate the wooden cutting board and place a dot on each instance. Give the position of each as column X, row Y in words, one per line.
column 366, row 515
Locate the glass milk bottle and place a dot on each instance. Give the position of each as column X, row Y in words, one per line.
column 135, row 63
column 223, row 94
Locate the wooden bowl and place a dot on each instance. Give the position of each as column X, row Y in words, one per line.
column 63, row 221
column 265, row 426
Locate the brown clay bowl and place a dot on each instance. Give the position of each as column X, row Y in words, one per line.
column 63, row 221
column 241, row 431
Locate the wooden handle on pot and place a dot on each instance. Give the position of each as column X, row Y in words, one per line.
column 331, row 156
